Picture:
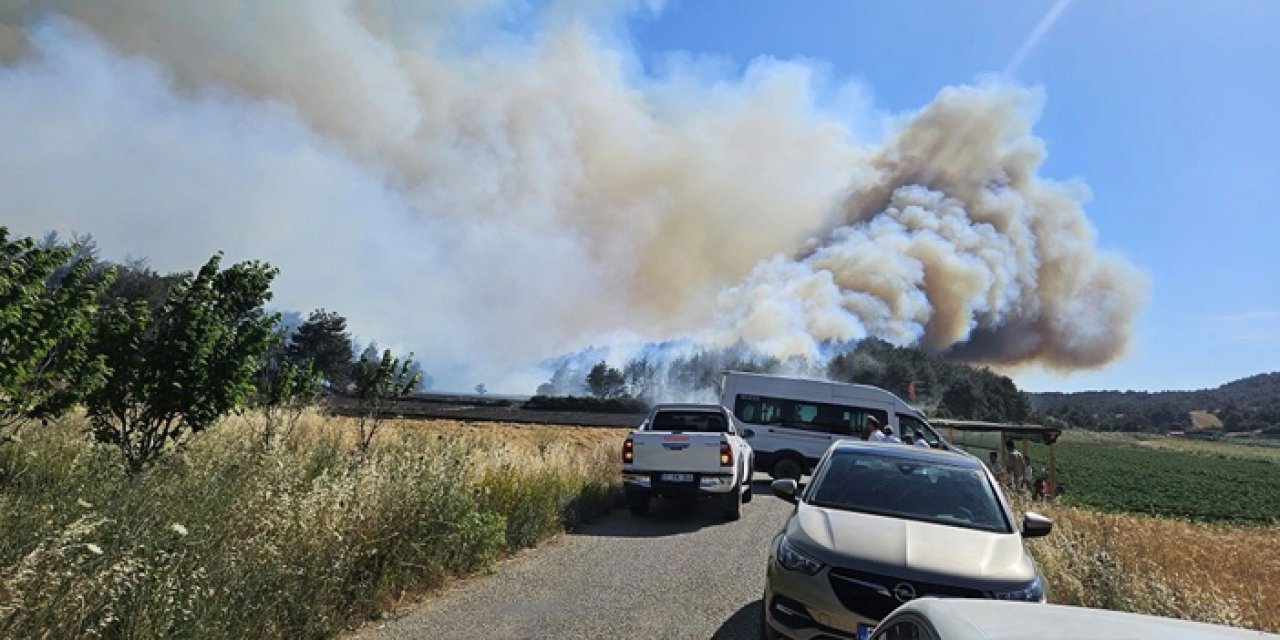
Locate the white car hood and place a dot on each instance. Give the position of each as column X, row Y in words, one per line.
column 911, row 549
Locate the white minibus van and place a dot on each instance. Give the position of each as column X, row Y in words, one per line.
column 794, row 420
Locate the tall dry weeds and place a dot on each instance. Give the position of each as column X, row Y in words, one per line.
column 1211, row 573
column 226, row 539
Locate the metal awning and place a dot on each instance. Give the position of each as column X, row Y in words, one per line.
column 1034, row 432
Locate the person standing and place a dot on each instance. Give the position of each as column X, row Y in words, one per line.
column 871, row 430
column 1018, row 469
column 993, row 463
column 920, row 441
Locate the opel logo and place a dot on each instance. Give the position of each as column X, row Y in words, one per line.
column 904, row 592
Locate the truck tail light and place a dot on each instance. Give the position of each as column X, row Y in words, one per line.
column 629, row 452
column 726, row 455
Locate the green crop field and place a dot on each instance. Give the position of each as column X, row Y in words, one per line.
column 1217, row 485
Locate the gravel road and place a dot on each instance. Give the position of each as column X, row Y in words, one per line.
column 679, row 572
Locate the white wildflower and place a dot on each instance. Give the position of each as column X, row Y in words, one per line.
column 178, row 529
column 94, row 549
column 84, row 503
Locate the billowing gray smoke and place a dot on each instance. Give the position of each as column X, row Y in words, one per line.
column 489, row 196
column 950, row 240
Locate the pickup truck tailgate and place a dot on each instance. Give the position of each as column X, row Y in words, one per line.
column 677, row 451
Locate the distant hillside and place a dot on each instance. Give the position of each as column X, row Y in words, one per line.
column 1248, row 404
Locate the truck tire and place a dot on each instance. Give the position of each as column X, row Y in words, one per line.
column 748, row 494
column 787, row 468
column 638, row 503
column 731, row 505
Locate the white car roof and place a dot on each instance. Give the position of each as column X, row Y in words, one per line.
column 995, row 620
column 979, row 619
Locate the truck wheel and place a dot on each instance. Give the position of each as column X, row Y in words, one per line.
column 748, row 494
column 786, row 468
column 638, row 502
column 732, row 505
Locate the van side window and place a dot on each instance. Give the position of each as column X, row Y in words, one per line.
column 757, row 410
column 808, row 416
column 816, row 416
column 854, row 419
column 911, row 424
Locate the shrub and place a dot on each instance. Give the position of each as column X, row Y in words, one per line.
column 182, row 370
column 47, row 304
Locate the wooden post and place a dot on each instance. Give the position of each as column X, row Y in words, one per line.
column 1053, row 465
column 1026, row 455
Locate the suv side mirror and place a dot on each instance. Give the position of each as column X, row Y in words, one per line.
column 786, row 488
column 748, row 433
column 1035, row 525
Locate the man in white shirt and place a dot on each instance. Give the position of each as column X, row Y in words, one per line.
column 871, row 430
column 920, row 441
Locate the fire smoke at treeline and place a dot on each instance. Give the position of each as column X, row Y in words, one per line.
column 491, row 196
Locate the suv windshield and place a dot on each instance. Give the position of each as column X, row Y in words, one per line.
column 889, row 485
column 705, row 421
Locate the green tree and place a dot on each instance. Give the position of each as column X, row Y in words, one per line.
column 137, row 281
column 606, row 382
column 378, row 381
column 962, row 399
column 48, row 299
column 178, row 371
column 323, row 342
column 284, row 391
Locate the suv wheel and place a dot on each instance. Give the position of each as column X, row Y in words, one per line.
column 786, row 468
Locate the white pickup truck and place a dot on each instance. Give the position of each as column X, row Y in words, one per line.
column 688, row 450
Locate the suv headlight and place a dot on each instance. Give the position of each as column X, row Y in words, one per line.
column 1031, row 592
column 792, row 559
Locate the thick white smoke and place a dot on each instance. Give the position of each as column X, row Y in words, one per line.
column 954, row 243
column 490, row 196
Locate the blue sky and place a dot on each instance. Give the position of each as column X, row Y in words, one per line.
column 1170, row 112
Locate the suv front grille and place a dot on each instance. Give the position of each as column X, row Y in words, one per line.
column 872, row 595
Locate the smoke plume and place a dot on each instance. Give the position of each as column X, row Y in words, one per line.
column 489, row 184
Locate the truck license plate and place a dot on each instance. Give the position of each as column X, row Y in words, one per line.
column 677, row 477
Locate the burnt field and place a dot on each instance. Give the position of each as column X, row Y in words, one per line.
column 468, row 408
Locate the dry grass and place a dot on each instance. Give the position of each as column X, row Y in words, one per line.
column 1210, row 573
column 1204, row 420
column 226, row 539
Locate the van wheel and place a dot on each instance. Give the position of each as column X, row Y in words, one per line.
column 731, row 505
column 786, row 468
